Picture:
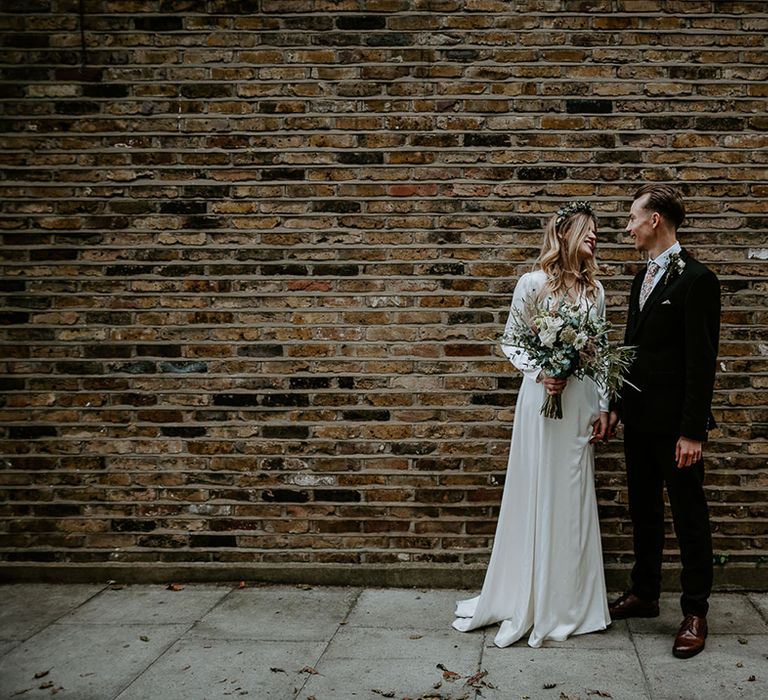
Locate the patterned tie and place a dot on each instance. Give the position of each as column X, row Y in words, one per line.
column 645, row 290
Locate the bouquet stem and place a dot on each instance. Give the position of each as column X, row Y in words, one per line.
column 552, row 407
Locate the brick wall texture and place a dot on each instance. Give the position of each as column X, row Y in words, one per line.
column 257, row 256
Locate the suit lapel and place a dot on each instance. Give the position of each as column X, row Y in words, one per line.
column 634, row 306
column 663, row 285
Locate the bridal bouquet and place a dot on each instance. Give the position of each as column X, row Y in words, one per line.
column 568, row 340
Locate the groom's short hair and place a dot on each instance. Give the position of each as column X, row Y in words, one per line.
column 665, row 200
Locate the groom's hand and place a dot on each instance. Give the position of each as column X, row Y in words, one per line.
column 687, row 452
column 613, row 422
column 600, row 428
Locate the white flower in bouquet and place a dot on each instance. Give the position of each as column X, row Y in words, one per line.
column 580, row 340
column 548, row 328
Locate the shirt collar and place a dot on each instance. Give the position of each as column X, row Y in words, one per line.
column 663, row 260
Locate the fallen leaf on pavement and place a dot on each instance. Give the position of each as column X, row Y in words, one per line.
column 174, row 587
column 415, row 636
column 309, row 669
column 739, row 664
column 43, row 674
column 448, row 675
column 751, row 679
column 548, row 686
column 600, row 693
column 144, row 638
column 277, row 670
column 474, row 680
column 384, row 693
column 241, row 584
column 743, row 641
column 304, row 586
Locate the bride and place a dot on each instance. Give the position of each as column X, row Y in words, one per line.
column 546, row 569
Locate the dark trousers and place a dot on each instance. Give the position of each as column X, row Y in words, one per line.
column 651, row 465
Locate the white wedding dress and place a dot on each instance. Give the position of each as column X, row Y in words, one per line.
column 546, row 568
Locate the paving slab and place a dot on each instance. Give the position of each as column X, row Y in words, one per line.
column 721, row 671
column 390, row 607
column 278, row 613
column 157, row 604
column 202, row 669
column 27, row 609
column 361, row 661
column 546, row 673
column 728, row 613
column 93, row 662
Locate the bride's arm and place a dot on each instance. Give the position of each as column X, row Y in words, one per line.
column 517, row 356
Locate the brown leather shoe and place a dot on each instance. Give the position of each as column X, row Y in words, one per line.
column 629, row 605
column 690, row 638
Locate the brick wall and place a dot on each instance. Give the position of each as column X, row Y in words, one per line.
column 257, row 255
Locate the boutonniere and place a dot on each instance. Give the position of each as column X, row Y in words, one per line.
column 675, row 267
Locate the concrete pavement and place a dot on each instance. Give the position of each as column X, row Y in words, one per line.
column 114, row 642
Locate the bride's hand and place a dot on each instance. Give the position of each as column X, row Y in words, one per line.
column 600, row 427
column 551, row 385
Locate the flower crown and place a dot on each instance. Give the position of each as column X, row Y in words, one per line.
column 567, row 211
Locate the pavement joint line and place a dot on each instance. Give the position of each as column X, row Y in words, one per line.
column 232, row 589
column 64, row 614
column 341, row 624
column 19, row 641
column 152, row 662
column 482, row 656
column 170, row 644
column 763, row 616
column 646, row 680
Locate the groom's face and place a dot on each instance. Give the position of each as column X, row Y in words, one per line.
column 641, row 225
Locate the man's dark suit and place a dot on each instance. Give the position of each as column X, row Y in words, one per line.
column 676, row 336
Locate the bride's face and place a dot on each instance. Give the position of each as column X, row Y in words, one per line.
column 588, row 243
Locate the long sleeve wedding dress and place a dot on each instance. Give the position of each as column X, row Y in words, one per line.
column 546, row 568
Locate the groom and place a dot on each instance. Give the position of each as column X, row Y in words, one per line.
column 674, row 322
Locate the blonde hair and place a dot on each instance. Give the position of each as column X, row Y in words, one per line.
column 559, row 259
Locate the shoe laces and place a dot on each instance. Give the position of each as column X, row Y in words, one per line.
column 688, row 623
